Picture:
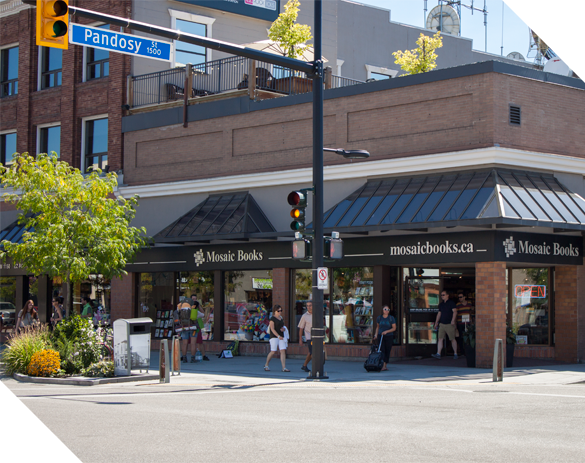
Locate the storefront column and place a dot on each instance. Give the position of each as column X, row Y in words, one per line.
column 581, row 313
column 123, row 300
column 566, row 319
column 490, row 310
column 281, row 290
column 44, row 298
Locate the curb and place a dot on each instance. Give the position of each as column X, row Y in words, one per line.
column 81, row 381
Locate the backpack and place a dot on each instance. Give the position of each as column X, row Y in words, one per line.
column 184, row 317
column 234, row 346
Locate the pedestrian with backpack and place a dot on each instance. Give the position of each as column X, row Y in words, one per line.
column 197, row 323
column 183, row 317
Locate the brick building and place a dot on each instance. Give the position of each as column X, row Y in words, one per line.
column 473, row 170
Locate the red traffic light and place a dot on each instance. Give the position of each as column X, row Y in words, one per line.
column 297, row 198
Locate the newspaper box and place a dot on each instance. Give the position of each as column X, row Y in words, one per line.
column 131, row 345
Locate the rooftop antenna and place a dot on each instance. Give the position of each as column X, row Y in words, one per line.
column 439, row 16
column 502, row 47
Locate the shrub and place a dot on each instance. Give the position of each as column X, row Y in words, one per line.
column 102, row 369
column 77, row 343
column 44, row 363
column 21, row 348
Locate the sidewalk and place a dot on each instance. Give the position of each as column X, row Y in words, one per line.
column 250, row 370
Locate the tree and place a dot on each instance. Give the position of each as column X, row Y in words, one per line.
column 75, row 226
column 421, row 59
column 290, row 36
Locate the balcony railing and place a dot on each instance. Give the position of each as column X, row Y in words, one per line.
column 221, row 76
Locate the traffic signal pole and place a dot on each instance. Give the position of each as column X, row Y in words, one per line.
column 318, row 330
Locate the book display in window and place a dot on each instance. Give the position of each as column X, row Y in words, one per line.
column 163, row 324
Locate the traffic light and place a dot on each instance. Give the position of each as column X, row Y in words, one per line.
column 298, row 199
column 53, row 23
column 334, row 246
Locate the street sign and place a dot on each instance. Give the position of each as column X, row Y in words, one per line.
column 105, row 39
column 322, row 277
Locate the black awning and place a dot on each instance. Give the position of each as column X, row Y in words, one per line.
column 479, row 198
column 219, row 217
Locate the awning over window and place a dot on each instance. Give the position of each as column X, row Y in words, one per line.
column 13, row 232
column 479, row 198
column 219, row 217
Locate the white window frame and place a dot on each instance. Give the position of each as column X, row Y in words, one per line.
column 84, row 121
column 46, row 126
column 339, row 64
column 379, row 70
column 8, row 132
column 195, row 18
column 84, row 72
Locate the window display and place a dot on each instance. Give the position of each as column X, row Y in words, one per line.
column 530, row 306
column 202, row 285
column 99, row 290
column 156, row 300
column 248, row 304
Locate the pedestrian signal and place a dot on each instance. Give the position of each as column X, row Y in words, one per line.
column 53, row 23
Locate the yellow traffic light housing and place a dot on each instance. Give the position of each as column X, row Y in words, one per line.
column 53, row 23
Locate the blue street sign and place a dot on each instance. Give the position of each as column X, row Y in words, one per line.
column 119, row 42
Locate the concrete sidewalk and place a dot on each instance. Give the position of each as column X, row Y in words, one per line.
column 249, row 370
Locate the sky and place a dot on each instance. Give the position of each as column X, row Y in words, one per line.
column 516, row 32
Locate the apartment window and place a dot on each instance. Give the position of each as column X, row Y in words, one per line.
column 51, row 65
column 97, row 62
column 7, row 147
column 96, row 144
column 378, row 76
column 193, row 24
column 379, row 73
column 187, row 52
column 9, row 71
column 50, row 140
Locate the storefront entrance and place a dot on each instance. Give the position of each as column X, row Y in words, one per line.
column 422, row 289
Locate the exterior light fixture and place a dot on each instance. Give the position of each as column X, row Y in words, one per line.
column 349, row 154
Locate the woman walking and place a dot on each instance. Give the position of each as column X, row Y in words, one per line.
column 27, row 317
column 386, row 326
column 277, row 338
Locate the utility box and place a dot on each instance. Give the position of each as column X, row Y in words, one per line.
column 131, row 345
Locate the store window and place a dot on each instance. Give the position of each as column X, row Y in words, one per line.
column 97, row 61
column 96, row 144
column 351, row 303
column 248, row 304
column 200, row 284
column 8, row 310
column 50, row 139
column 99, row 290
column 157, row 301
column 7, row 147
column 530, row 305
column 422, row 287
column 51, row 66
column 8, row 72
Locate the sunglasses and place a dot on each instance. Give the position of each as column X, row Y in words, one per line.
column 386, row 310
column 461, row 297
column 279, row 310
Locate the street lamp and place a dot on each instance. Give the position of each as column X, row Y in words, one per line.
column 349, row 154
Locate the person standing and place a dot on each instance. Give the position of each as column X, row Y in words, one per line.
column 27, row 317
column 183, row 322
column 385, row 327
column 277, row 338
column 464, row 314
column 57, row 315
column 445, row 320
column 197, row 323
column 305, row 325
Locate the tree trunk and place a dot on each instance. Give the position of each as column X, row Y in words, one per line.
column 68, row 297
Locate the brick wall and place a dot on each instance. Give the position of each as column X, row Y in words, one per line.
column 281, row 291
column 123, row 290
column 581, row 314
column 566, row 319
column 490, row 310
column 74, row 99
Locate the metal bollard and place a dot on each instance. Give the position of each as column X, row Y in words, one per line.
column 176, row 356
column 498, row 368
column 164, row 362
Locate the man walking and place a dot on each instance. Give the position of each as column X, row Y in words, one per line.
column 305, row 325
column 446, row 318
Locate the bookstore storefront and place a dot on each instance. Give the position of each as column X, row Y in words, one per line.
column 237, row 285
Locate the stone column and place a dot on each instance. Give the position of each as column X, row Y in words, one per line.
column 281, row 294
column 566, row 315
column 490, row 310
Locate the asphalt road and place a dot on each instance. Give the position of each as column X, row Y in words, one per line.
column 210, row 418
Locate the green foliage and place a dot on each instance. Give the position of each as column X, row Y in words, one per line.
column 290, row 36
column 22, row 347
column 77, row 343
column 75, row 226
column 469, row 335
column 421, row 59
column 101, row 369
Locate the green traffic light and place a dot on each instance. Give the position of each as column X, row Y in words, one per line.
column 59, row 28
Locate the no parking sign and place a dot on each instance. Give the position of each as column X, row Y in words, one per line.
column 322, row 277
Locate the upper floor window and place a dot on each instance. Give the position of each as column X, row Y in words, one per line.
column 50, row 140
column 379, row 73
column 96, row 144
column 97, row 61
column 51, row 65
column 378, row 76
column 187, row 52
column 192, row 24
column 7, row 147
column 9, row 71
